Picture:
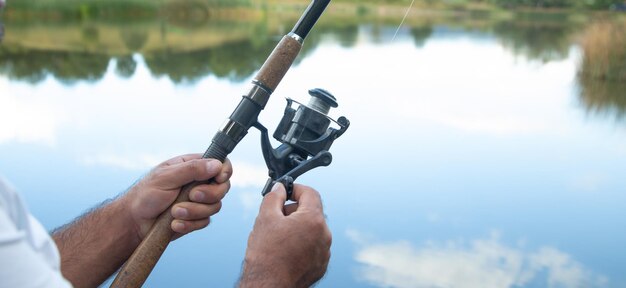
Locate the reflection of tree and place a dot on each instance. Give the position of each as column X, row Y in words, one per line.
column 239, row 60
column 537, row 39
column 33, row 65
column 179, row 66
column 237, row 49
column 125, row 66
column 91, row 34
column 1, row 31
column 421, row 34
column 134, row 39
column 346, row 34
column 235, row 61
column 603, row 97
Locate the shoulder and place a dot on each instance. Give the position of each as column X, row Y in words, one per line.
column 11, row 204
column 27, row 253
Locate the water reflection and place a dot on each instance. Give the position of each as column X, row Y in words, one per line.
column 484, row 262
column 235, row 61
column 542, row 37
column 421, row 34
column 605, row 98
column 233, row 48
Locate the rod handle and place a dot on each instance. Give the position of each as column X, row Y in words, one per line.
column 138, row 267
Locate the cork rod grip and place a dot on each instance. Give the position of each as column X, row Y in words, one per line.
column 279, row 62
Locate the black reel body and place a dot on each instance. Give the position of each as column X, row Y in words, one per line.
column 305, row 136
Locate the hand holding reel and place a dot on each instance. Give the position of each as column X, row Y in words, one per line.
column 306, row 137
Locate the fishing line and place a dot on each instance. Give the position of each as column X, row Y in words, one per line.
column 404, row 18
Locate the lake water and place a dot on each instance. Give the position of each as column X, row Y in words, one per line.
column 475, row 158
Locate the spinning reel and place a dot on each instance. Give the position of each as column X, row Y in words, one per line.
column 306, row 137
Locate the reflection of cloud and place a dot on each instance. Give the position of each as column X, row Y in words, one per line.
column 563, row 271
column 24, row 120
column 251, row 178
column 462, row 91
column 126, row 162
column 482, row 263
column 250, row 200
column 248, row 175
column 590, row 182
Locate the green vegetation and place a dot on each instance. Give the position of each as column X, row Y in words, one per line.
column 186, row 46
column 602, row 73
column 595, row 4
column 604, row 51
column 98, row 9
column 603, row 98
column 576, row 4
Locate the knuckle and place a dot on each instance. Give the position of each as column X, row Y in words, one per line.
column 197, row 166
column 218, row 206
column 212, row 196
column 204, row 223
column 270, row 196
column 319, row 223
column 156, row 173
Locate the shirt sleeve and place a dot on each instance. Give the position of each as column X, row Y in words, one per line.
column 28, row 256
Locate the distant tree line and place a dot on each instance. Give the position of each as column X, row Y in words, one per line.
column 583, row 4
column 595, row 4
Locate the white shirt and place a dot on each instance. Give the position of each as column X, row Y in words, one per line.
column 28, row 256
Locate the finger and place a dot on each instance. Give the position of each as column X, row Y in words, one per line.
column 306, row 197
column 290, row 208
column 181, row 159
column 193, row 170
column 184, row 227
column 194, row 211
column 274, row 201
column 209, row 193
column 225, row 173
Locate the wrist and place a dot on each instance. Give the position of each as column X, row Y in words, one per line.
column 123, row 207
column 264, row 274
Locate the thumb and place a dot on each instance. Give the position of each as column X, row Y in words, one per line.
column 274, row 201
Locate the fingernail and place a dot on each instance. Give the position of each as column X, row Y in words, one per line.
column 178, row 226
column 276, row 187
column 197, row 196
column 180, row 213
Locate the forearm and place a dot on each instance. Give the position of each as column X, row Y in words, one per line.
column 95, row 245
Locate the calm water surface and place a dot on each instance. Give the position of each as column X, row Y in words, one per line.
column 475, row 157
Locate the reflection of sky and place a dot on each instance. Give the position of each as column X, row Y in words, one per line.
column 449, row 141
column 480, row 263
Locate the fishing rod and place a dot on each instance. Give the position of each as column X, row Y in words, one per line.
column 304, row 132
